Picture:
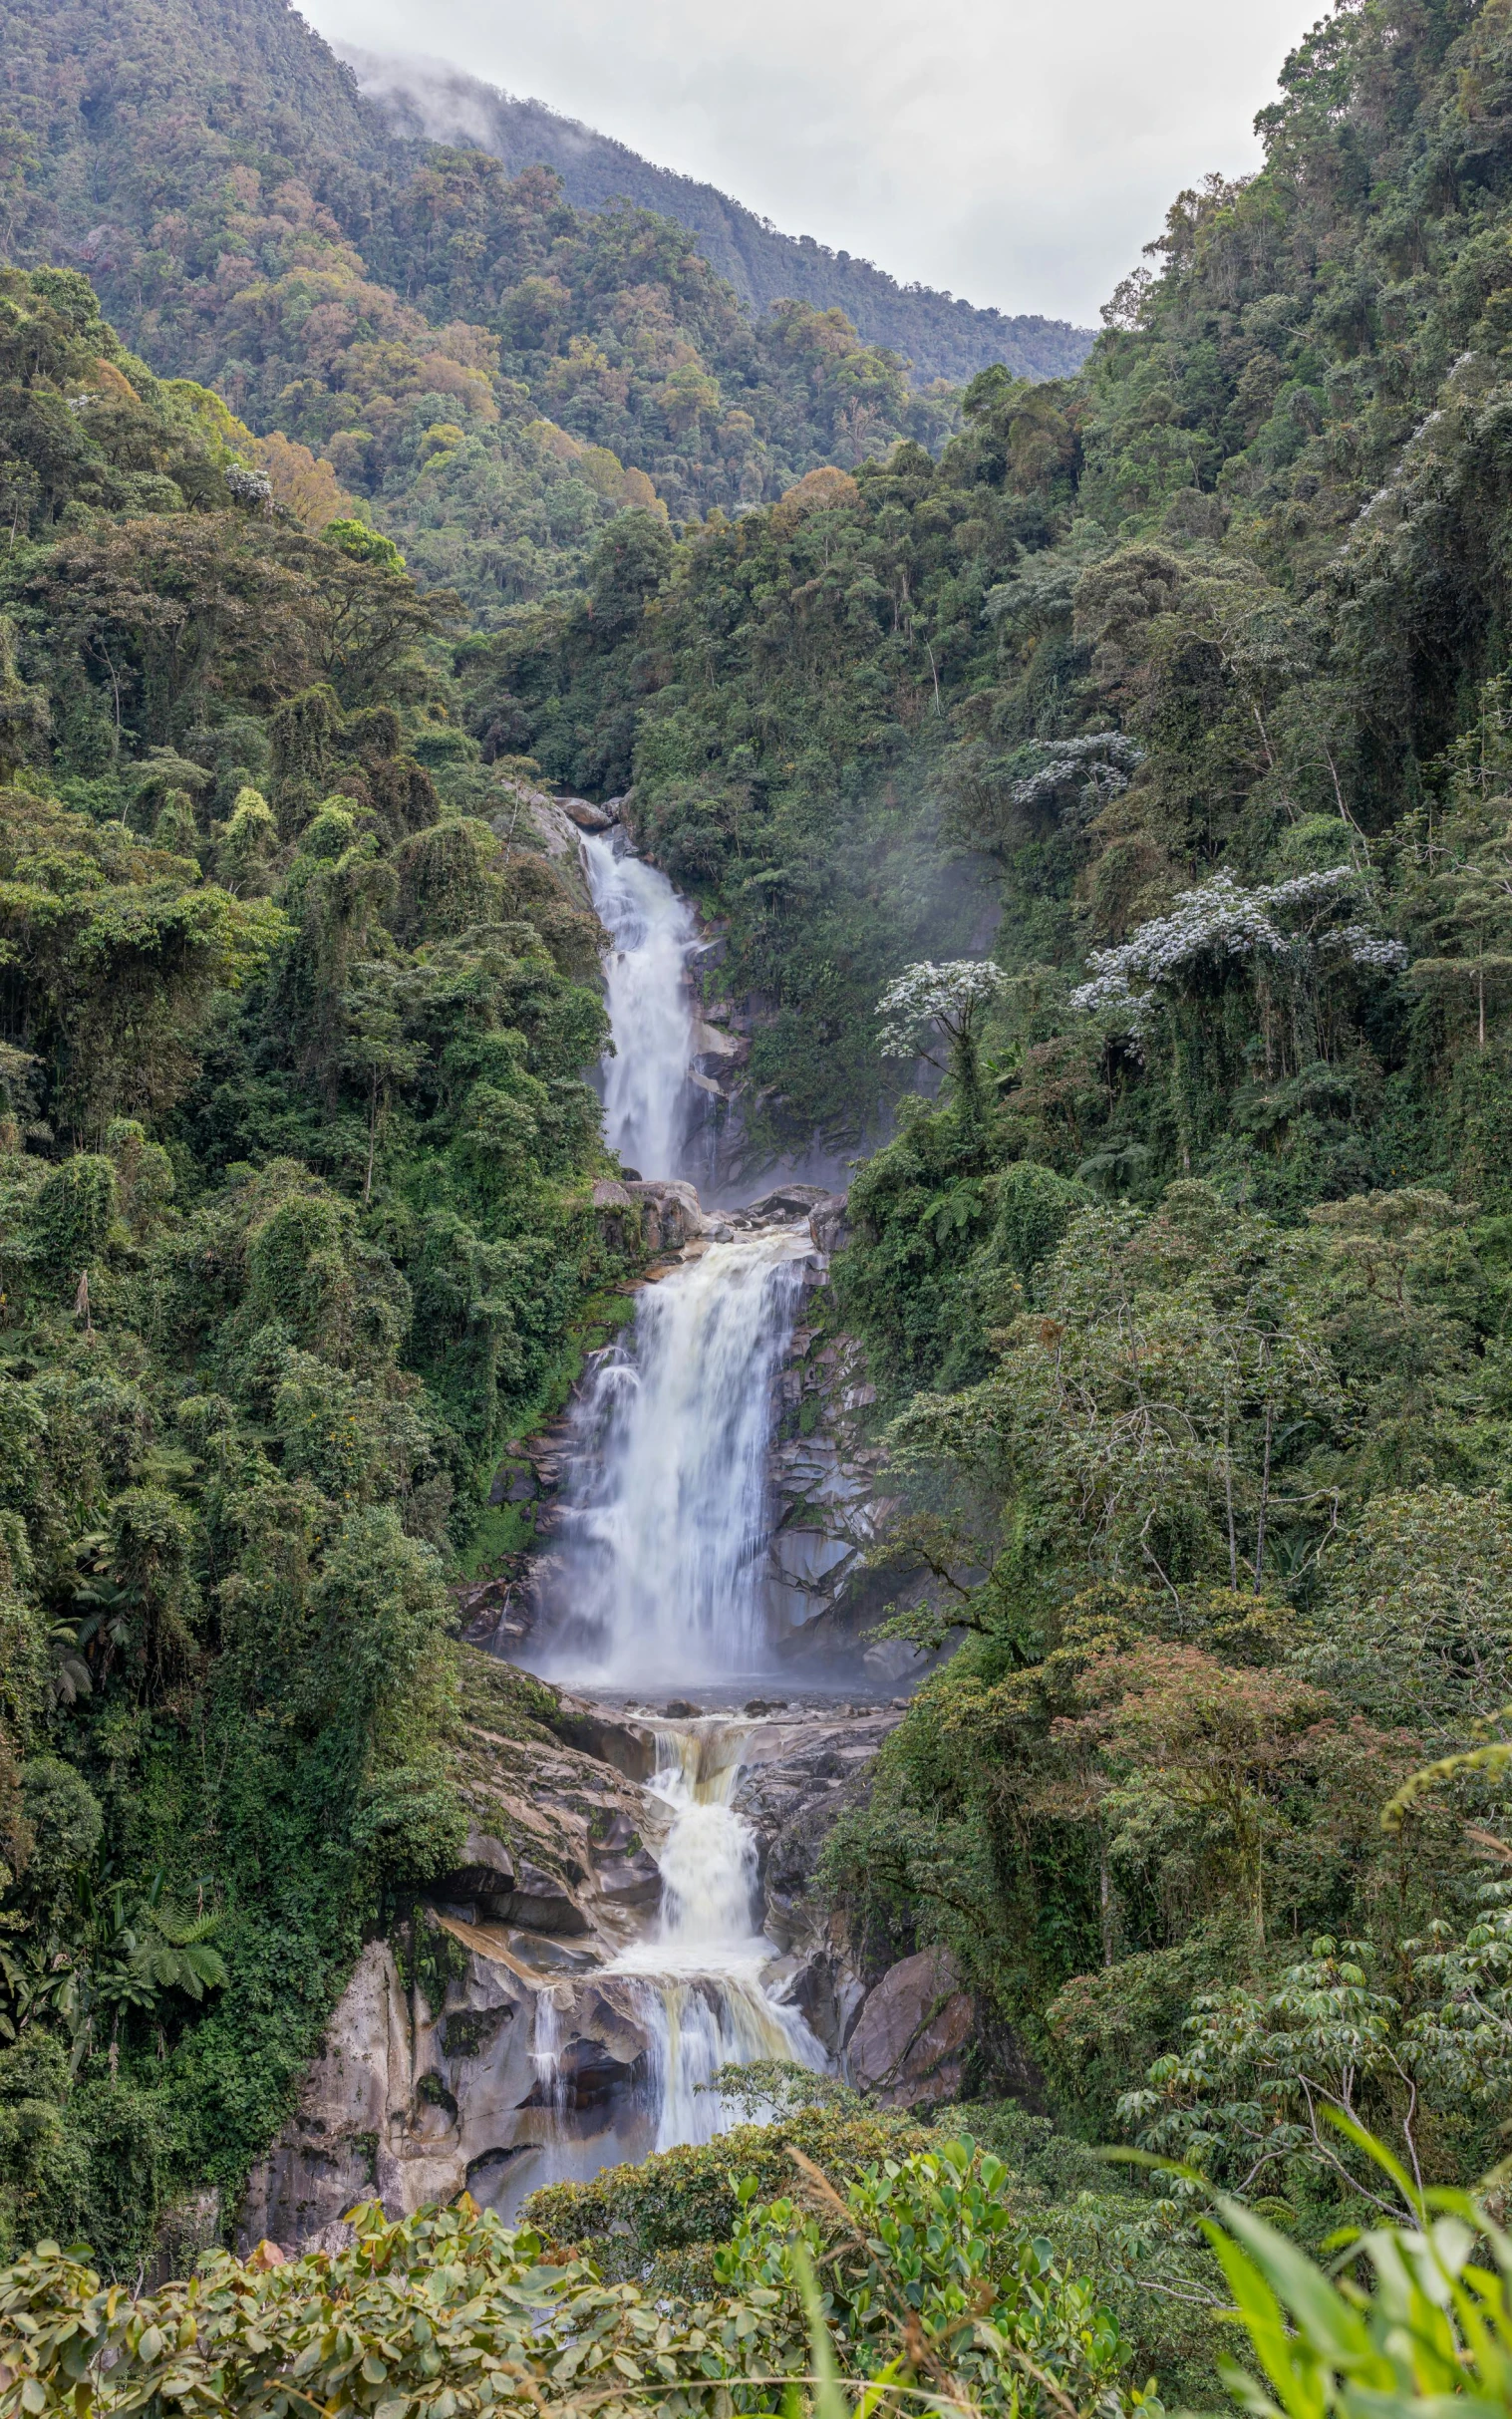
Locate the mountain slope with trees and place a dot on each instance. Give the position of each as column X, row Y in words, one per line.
column 296, row 1158
column 940, row 336
column 487, row 371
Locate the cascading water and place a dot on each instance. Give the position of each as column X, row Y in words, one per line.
column 646, row 1088
column 704, row 2000
column 657, row 1578
column 665, row 1500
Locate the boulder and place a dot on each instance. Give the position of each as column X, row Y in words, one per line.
column 671, row 1210
column 485, row 1876
column 539, row 1902
column 628, row 1747
column 826, row 1221
column 910, row 2039
column 711, row 1041
column 587, row 816
column 788, row 1201
column 633, row 1880
column 603, row 2044
column 826, row 1995
column 513, row 1483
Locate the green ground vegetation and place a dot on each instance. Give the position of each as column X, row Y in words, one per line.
column 920, row 2275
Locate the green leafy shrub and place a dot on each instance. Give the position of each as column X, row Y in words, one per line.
column 449, row 2312
column 689, row 2195
column 1409, row 2320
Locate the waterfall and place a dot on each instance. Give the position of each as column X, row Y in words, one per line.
column 646, row 1086
column 663, row 1517
column 665, row 1508
column 546, row 2050
column 701, row 1995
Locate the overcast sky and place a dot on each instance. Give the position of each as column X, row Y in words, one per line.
column 1017, row 152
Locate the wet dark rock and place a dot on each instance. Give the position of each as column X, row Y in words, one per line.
column 670, row 1211
column 630, row 1881
column 485, row 1874
column 612, row 1738
column 541, row 1902
column 827, row 1995
column 826, row 1223
column 605, row 2048
column 910, row 2039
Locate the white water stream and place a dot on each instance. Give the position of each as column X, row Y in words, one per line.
column 666, row 1505
column 704, row 2000
column 656, row 1583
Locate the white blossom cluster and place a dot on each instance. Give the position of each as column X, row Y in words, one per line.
column 1363, row 947
column 927, row 994
column 1100, row 764
column 250, row 488
column 1222, row 920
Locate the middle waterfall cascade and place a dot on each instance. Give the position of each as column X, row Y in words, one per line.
column 704, row 1998
column 664, row 1510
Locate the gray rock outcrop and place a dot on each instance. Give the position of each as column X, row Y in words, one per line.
column 910, row 2039
column 533, row 2037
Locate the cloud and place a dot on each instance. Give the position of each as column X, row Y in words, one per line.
column 1014, row 152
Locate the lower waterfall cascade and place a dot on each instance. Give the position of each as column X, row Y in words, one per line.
column 704, row 1997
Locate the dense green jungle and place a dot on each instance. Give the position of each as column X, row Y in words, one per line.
column 1100, row 786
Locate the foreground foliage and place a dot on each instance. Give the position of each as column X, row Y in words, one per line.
column 1410, row 2317
column 927, row 2283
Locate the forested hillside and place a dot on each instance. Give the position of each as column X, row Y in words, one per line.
column 941, row 336
column 1172, row 699
column 1188, row 1297
column 489, row 372
column 295, row 1160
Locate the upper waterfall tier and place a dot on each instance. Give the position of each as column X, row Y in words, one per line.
column 647, row 1093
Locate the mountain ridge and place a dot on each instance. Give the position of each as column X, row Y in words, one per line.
column 940, row 334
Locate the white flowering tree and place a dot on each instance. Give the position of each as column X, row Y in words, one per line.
column 928, row 1003
column 1301, row 924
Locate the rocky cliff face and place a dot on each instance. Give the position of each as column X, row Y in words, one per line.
column 495, row 2026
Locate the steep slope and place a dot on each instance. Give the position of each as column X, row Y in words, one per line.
column 940, row 336
column 493, row 374
column 296, row 1163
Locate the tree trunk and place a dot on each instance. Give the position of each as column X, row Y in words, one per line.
column 1228, row 1498
column 1480, row 1001
column 367, row 1182
column 1265, row 1496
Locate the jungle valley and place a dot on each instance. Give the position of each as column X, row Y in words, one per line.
column 1092, row 791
